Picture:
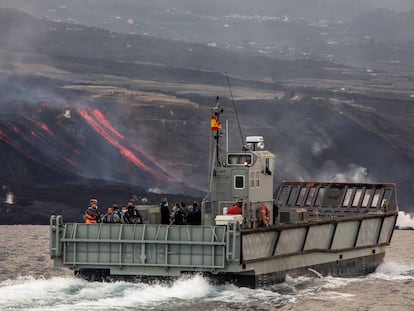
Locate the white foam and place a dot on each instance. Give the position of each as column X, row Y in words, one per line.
column 320, row 288
column 72, row 293
column 336, row 282
column 393, row 271
column 405, row 220
column 331, row 295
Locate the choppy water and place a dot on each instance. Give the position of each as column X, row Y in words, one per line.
column 28, row 282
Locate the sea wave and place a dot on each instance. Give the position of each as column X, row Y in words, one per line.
column 70, row 293
column 191, row 292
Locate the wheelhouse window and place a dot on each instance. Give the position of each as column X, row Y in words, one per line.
column 376, row 198
column 320, row 196
column 357, row 198
column 239, row 182
column 367, row 197
column 239, row 159
column 348, row 196
column 301, row 197
column 292, row 196
column 283, row 195
column 311, row 196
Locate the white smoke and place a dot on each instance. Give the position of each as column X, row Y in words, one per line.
column 319, row 145
column 155, row 190
column 9, row 198
column 355, row 173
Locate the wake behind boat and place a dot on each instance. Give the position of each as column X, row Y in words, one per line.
column 250, row 234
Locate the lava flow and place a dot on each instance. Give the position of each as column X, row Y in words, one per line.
column 99, row 116
column 3, row 137
column 103, row 127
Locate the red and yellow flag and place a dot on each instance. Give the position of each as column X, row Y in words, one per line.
column 215, row 124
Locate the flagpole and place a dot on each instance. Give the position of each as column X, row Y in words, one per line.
column 216, row 126
column 217, row 114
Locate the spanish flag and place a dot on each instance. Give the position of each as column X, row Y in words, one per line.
column 215, row 124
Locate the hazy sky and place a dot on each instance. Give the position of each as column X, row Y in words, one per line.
column 305, row 8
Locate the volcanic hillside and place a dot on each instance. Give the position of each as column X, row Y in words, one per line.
column 89, row 113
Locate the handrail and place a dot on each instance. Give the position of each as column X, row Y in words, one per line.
column 56, row 224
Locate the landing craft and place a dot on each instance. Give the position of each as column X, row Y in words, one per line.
column 304, row 227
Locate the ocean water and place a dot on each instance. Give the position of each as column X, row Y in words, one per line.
column 29, row 282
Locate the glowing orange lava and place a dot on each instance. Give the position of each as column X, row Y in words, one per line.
column 44, row 127
column 99, row 115
column 105, row 122
column 105, row 129
column 4, row 137
column 69, row 161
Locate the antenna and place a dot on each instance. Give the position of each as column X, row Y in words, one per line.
column 235, row 109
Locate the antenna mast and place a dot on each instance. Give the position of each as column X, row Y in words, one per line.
column 235, row 110
column 215, row 157
column 216, row 126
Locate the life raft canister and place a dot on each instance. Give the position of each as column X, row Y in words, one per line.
column 265, row 214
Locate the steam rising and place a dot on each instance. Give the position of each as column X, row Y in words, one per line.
column 354, row 173
column 9, row 198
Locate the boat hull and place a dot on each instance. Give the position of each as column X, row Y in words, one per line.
column 254, row 258
column 345, row 268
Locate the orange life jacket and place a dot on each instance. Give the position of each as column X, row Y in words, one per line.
column 90, row 219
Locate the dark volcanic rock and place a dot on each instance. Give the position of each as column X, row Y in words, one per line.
column 59, row 147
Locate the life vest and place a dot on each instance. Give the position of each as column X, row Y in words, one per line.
column 265, row 214
column 90, row 219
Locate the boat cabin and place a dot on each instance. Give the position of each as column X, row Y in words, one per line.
column 245, row 177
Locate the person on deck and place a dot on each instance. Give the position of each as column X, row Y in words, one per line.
column 134, row 215
column 184, row 210
column 118, row 212
column 125, row 215
column 111, row 216
column 194, row 215
column 178, row 215
column 165, row 212
column 92, row 215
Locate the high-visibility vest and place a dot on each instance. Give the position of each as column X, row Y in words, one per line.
column 90, row 219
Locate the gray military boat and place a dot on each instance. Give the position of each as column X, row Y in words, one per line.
column 327, row 228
